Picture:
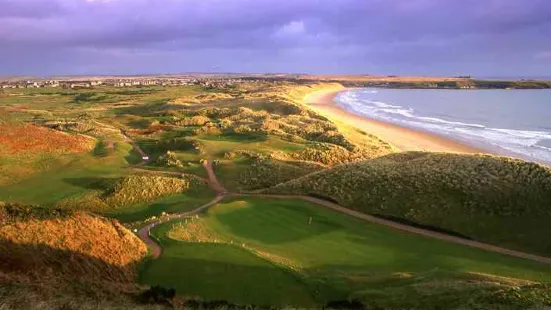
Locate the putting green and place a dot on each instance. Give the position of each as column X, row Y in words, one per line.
column 255, row 247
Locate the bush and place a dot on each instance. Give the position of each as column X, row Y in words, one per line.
column 169, row 160
column 158, row 295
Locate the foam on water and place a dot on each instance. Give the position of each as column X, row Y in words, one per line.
column 528, row 144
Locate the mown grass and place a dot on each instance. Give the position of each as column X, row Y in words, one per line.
column 333, row 255
column 64, row 176
column 223, row 272
column 491, row 199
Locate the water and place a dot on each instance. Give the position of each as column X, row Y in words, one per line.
column 508, row 122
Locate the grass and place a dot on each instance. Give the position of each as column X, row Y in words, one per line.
column 67, row 176
column 223, row 272
column 49, row 259
column 30, row 245
column 178, row 203
column 217, row 147
column 264, row 251
column 491, row 199
column 333, row 255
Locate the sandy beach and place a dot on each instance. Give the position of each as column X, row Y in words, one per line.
column 403, row 139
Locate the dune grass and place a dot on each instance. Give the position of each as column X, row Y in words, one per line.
column 333, row 255
column 492, row 199
column 177, row 203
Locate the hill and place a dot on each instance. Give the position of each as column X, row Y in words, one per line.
column 283, row 252
column 492, row 199
column 59, row 256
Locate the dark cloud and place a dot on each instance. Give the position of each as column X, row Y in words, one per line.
column 356, row 36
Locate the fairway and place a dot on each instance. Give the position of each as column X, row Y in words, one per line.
column 75, row 174
column 222, row 272
column 335, row 256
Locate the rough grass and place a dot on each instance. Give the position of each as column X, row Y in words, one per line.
column 331, row 256
column 44, row 244
column 491, row 199
column 117, row 194
column 51, row 258
column 26, row 149
column 20, row 139
column 263, row 171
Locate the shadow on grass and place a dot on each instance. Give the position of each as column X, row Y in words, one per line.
column 148, row 211
column 242, row 278
column 42, row 262
column 92, row 183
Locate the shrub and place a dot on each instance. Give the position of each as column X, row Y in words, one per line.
column 158, row 295
column 169, row 160
column 266, row 171
column 198, row 120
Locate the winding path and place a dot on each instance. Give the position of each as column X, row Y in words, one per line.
column 410, row 229
column 145, row 232
column 221, row 193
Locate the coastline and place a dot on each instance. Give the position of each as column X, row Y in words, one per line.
column 402, row 138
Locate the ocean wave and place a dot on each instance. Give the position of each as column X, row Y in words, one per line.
column 523, row 142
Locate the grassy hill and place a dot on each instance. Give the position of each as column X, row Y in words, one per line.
column 492, row 199
column 291, row 252
column 59, row 256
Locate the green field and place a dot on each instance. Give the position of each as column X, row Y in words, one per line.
column 496, row 200
column 273, row 252
column 68, row 175
column 312, row 253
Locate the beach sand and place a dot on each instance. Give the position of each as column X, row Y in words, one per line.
column 403, row 139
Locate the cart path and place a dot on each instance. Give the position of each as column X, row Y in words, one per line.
column 145, row 232
column 410, row 229
column 222, row 193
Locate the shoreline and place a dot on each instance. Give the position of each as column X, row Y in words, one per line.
column 401, row 138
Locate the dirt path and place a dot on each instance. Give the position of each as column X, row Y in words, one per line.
column 137, row 148
column 145, row 232
column 213, row 181
column 222, row 192
column 153, row 245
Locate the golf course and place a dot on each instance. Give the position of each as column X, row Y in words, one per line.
column 244, row 196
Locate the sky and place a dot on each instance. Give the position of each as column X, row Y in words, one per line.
column 403, row 37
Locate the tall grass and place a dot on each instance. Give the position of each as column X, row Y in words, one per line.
column 128, row 191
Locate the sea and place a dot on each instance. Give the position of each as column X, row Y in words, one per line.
column 514, row 123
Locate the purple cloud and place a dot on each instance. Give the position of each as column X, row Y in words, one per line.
column 357, row 36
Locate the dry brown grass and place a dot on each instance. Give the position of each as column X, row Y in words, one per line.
column 16, row 139
column 78, row 245
column 51, row 258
